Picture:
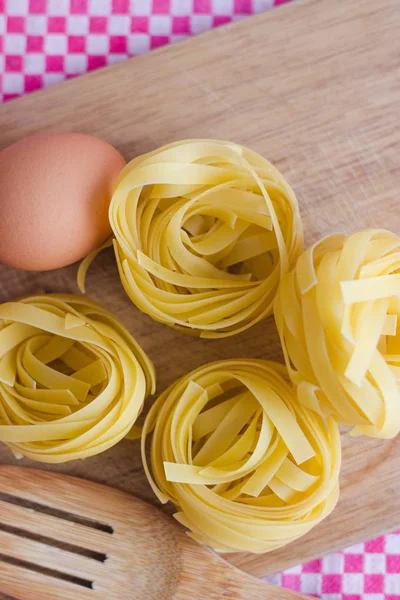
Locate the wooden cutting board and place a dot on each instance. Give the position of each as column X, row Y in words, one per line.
column 315, row 87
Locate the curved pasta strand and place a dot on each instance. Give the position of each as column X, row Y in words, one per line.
column 72, row 379
column 247, row 466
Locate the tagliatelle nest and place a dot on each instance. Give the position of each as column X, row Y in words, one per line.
column 248, row 467
column 72, row 379
column 204, row 231
column 337, row 315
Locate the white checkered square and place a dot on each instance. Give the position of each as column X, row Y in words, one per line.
column 356, row 549
column 392, row 544
column 261, row 5
column 294, row 570
column 34, row 64
column 2, row 24
column 392, row 583
column 142, row 8
column 76, row 64
column 333, row 563
column 275, row 579
column 14, row 43
column 36, row 25
column 353, row 583
column 311, row 583
column 138, row 43
column 222, row 7
column 17, row 8
column 201, row 23
column 160, row 25
column 374, row 563
column 58, row 7
column 97, row 44
column 55, row 44
column 13, row 83
column 52, row 78
column 119, row 25
column 178, row 38
column 78, row 24
column 181, row 7
column 113, row 59
column 100, row 7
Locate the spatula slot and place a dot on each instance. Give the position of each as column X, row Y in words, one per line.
column 56, row 512
column 86, row 583
column 99, row 556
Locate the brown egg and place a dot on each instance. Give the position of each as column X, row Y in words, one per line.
column 55, row 190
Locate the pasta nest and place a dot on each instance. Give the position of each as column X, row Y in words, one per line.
column 337, row 314
column 204, row 231
column 249, row 468
column 72, row 379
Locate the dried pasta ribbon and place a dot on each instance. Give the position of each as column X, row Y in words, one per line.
column 248, row 467
column 337, row 316
column 204, row 231
column 72, row 379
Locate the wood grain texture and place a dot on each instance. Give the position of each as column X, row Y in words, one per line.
column 315, row 87
column 145, row 554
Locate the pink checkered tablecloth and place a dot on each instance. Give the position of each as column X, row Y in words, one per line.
column 43, row 42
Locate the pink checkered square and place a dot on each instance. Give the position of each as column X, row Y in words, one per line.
column 202, row 6
column 219, row 20
column 120, row 7
column 13, row 64
column 292, row 582
column 76, row 43
column 56, row 24
column 79, row 7
column 15, row 25
column 139, row 24
column 243, row 7
column 314, row 566
column 181, row 25
column 54, row 64
column 332, row 584
column 118, row 44
column 353, row 563
column 37, row 7
column 156, row 41
column 376, row 545
column 162, row 7
column 34, row 43
column 98, row 24
column 374, row 584
column 94, row 62
column 33, row 82
column 393, row 564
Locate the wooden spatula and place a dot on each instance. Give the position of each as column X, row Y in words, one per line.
column 63, row 538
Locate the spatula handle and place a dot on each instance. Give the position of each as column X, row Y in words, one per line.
column 241, row 586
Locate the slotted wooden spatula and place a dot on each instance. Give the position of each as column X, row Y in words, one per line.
column 63, row 538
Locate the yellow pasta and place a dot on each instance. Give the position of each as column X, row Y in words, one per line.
column 204, row 231
column 72, row 379
column 337, row 315
column 248, row 467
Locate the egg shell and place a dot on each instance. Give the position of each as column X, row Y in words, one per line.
column 55, row 190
